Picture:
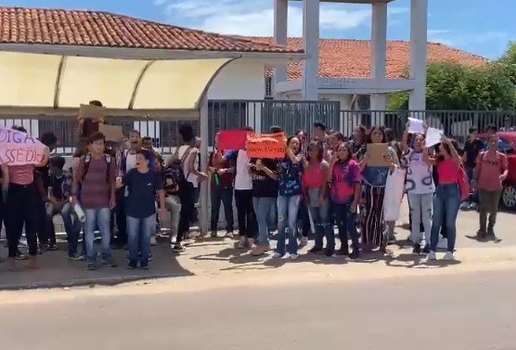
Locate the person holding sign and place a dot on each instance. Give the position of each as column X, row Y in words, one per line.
column 447, row 196
column 90, row 119
column 264, row 173
column 378, row 160
column 22, row 208
column 290, row 170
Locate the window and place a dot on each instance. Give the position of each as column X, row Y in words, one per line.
column 268, row 87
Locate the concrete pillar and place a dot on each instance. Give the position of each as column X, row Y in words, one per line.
column 379, row 41
column 203, row 197
column 311, row 46
column 280, row 36
column 418, row 53
column 379, row 58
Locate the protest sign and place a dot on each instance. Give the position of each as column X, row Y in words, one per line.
column 18, row 148
column 91, row 112
column 433, row 137
column 266, row 145
column 416, row 126
column 232, row 139
column 378, row 154
column 112, row 132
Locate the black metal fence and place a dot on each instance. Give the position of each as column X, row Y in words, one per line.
column 262, row 114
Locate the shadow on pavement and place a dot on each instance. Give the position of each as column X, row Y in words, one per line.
column 57, row 271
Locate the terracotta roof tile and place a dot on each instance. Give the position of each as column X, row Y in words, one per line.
column 93, row 28
column 344, row 58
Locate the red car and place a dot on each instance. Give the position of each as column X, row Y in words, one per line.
column 508, row 138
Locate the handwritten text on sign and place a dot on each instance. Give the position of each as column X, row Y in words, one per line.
column 266, row 145
column 18, row 148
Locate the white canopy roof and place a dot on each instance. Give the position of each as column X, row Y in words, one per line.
column 44, row 81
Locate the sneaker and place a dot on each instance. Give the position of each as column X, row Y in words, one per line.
column 449, row 256
column 464, row 206
column 443, row 243
column 417, row 249
column 241, row 243
column 431, row 256
column 51, row 247
column 20, row 256
column 490, row 232
column 250, row 242
column 473, row 206
column 131, row 266
column 153, row 241
column 426, row 249
column 144, row 267
column 329, row 253
column 303, row 242
column 481, row 234
column 294, row 256
column 315, row 250
column 213, row 234
column 343, row 252
column 92, row 266
column 229, row 235
column 277, row 255
column 76, row 257
column 355, row 254
column 178, row 248
column 258, row 250
column 110, row 263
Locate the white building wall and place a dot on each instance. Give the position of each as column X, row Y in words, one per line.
column 241, row 79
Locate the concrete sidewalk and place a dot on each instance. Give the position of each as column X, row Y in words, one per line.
column 215, row 257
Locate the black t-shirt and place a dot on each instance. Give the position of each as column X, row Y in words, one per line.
column 263, row 184
column 472, row 149
column 141, row 196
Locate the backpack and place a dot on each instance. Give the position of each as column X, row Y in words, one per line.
column 87, row 161
column 175, row 169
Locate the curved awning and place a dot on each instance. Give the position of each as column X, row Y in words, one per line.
column 64, row 82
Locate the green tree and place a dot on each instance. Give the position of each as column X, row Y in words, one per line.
column 454, row 86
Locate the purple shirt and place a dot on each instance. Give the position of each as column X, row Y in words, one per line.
column 345, row 176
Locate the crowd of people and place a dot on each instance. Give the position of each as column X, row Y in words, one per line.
column 127, row 190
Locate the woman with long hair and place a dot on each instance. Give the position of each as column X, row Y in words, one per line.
column 290, row 170
column 345, row 192
column 420, row 189
column 375, row 177
column 447, row 196
column 315, row 190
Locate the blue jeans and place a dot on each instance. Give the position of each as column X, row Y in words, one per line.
column 446, row 208
column 100, row 217
column 287, row 216
column 71, row 224
column 139, row 232
column 347, row 223
column 262, row 208
column 321, row 219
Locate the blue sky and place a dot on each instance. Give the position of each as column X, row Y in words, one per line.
column 479, row 26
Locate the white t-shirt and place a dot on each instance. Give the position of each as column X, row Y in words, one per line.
column 419, row 175
column 192, row 178
column 130, row 161
column 243, row 180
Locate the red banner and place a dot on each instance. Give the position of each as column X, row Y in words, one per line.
column 232, row 139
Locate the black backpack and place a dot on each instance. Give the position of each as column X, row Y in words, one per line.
column 175, row 168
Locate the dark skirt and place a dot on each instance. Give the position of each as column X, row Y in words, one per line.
column 373, row 226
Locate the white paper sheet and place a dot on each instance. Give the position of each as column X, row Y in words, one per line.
column 416, row 126
column 433, row 137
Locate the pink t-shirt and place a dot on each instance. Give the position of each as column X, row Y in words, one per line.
column 345, row 176
column 21, row 174
column 448, row 172
column 313, row 177
column 491, row 166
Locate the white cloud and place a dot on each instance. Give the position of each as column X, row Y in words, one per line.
column 489, row 44
column 255, row 17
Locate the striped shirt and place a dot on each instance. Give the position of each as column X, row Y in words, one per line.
column 95, row 190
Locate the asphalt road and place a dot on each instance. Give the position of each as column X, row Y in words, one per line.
column 465, row 311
